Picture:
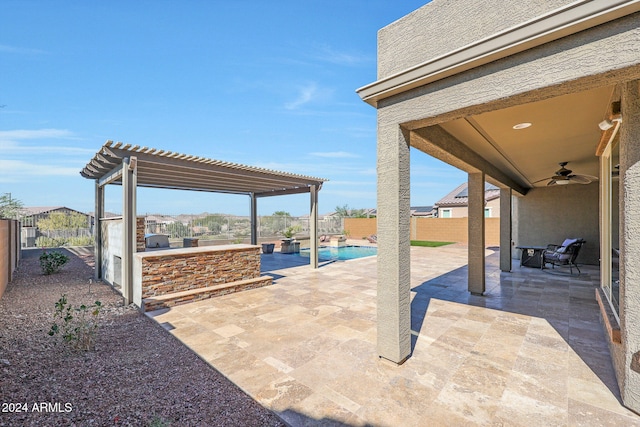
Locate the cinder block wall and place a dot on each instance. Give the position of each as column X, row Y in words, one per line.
column 433, row 229
column 177, row 272
column 359, row 228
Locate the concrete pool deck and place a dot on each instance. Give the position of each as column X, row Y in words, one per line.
column 531, row 349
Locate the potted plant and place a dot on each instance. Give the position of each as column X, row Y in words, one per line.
column 290, row 232
column 288, row 245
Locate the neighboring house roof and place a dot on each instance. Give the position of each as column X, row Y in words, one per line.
column 460, row 195
column 36, row 210
column 421, row 210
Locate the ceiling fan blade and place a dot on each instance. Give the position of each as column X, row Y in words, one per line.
column 582, row 179
column 540, row 180
column 552, row 182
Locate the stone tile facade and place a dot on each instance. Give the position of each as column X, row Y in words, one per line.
column 140, row 243
column 183, row 275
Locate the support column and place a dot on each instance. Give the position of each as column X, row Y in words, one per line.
column 254, row 219
column 476, row 233
column 629, row 379
column 313, row 227
column 129, row 182
column 98, row 213
column 505, row 229
column 394, row 250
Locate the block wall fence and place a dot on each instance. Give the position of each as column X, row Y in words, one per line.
column 433, row 229
column 9, row 251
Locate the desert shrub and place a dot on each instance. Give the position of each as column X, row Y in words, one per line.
column 79, row 241
column 49, row 242
column 51, row 262
column 76, row 325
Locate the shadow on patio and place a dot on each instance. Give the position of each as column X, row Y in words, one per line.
column 563, row 302
column 305, row 347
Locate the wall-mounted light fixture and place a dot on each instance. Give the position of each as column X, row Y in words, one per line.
column 607, row 124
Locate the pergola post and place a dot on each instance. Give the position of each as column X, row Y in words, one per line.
column 254, row 219
column 313, row 227
column 98, row 213
column 476, row 284
column 505, row 229
column 129, row 175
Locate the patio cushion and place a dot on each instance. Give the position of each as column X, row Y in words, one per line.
column 568, row 242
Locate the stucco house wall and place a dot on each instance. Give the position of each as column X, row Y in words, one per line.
column 434, row 29
column 463, row 211
column 574, row 213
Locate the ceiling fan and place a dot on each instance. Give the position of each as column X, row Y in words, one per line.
column 565, row 176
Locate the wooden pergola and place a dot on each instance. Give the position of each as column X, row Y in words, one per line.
column 135, row 166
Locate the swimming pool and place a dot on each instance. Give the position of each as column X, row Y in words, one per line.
column 329, row 253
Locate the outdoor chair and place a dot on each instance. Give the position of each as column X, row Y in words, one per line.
column 563, row 255
column 373, row 238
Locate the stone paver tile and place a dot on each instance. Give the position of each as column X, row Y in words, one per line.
column 594, row 394
column 517, row 410
column 324, row 368
column 585, row 415
column 501, row 349
column 479, row 375
column 282, row 313
column 278, row 364
column 544, row 353
column 475, row 406
column 283, row 393
column 539, row 380
column 228, row 330
column 317, row 410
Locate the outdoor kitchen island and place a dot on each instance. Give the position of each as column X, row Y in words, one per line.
column 164, row 278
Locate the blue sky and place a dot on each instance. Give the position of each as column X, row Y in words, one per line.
column 262, row 83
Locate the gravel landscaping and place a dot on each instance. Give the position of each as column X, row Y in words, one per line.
column 137, row 375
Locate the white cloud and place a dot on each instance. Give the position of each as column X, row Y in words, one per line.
column 20, row 50
column 15, row 142
column 334, row 154
column 306, row 94
column 18, row 170
column 328, row 54
column 19, row 134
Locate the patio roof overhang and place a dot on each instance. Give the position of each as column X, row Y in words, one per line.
column 167, row 169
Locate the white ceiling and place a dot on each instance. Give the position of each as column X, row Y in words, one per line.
column 563, row 129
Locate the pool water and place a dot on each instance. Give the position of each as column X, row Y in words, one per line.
column 327, row 253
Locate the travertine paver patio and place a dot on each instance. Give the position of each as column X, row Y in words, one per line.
column 531, row 351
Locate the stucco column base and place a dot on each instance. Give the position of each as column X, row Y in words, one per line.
column 391, row 362
column 476, row 234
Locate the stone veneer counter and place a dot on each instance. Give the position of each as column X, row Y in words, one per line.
column 158, row 273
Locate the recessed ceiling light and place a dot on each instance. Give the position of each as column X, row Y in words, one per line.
column 522, row 125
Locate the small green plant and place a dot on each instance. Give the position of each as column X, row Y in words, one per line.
column 159, row 422
column 291, row 231
column 429, row 244
column 76, row 325
column 51, row 262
